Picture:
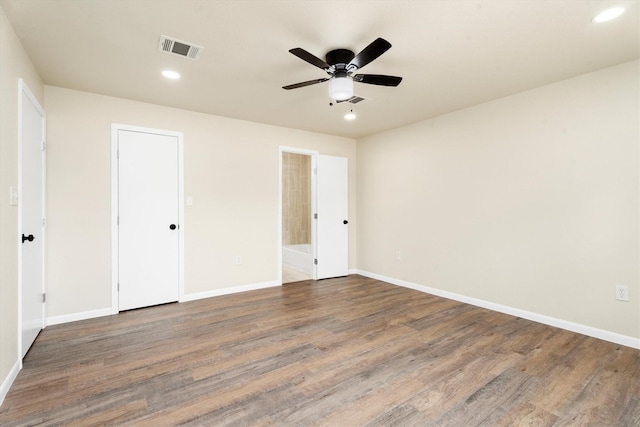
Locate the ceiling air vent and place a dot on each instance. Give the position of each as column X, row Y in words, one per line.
column 181, row 48
column 355, row 99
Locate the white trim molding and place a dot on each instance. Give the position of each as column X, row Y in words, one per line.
column 8, row 381
column 231, row 290
column 74, row 317
column 540, row 318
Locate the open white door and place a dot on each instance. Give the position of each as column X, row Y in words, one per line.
column 332, row 208
column 31, row 212
column 149, row 217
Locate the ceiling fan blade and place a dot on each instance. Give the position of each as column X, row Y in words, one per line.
column 311, row 59
column 377, row 79
column 371, row 52
column 303, row 84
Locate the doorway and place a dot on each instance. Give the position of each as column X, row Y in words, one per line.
column 314, row 242
column 147, row 258
column 30, row 198
column 297, row 206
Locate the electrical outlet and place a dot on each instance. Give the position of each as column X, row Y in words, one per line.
column 238, row 260
column 622, row 293
column 398, row 256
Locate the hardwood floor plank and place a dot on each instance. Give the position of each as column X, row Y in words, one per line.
column 214, row 395
column 526, row 415
column 631, row 414
column 446, row 390
column 113, row 416
column 340, row 363
column 235, row 360
column 373, row 404
column 489, row 403
column 597, row 403
column 342, row 352
column 402, row 415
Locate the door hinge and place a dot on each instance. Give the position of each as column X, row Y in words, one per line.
column 44, row 222
column 118, row 154
column 315, row 261
column 44, row 298
column 118, row 287
column 44, row 145
column 315, row 216
column 118, row 220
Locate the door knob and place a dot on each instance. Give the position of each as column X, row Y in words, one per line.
column 29, row 238
column 345, row 222
column 172, row 227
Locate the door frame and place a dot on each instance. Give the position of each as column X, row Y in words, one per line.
column 24, row 93
column 314, row 158
column 115, row 128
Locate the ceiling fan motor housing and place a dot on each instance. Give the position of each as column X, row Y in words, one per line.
column 339, row 57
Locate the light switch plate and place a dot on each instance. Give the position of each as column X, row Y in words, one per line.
column 13, row 196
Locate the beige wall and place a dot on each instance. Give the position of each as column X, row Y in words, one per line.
column 296, row 198
column 530, row 201
column 231, row 171
column 14, row 64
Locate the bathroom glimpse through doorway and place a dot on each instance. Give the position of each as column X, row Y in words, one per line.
column 298, row 205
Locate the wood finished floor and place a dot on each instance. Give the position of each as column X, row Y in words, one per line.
column 341, row 352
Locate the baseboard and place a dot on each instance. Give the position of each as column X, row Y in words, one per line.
column 65, row 318
column 227, row 291
column 8, row 381
column 540, row 318
column 73, row 317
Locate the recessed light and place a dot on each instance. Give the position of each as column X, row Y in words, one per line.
column 171, row 74
column 608, row 15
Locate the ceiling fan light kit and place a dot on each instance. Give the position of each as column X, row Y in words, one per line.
column 340, row 88
column 341, row 64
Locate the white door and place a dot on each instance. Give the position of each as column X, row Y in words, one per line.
column 332, row 251
column 149, row 219
column 31, row 191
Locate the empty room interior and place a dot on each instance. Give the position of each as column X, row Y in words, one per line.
column 334, row 213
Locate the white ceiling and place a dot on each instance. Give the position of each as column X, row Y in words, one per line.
column 451, row 54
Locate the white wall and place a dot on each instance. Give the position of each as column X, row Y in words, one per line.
column 231, row 171
column 530, row 201
column 14, row 64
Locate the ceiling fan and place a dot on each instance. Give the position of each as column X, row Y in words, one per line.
column 341, row 64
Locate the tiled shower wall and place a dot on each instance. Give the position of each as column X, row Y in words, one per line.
column 296, row 199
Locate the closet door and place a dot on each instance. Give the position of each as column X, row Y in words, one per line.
column 148, row 219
